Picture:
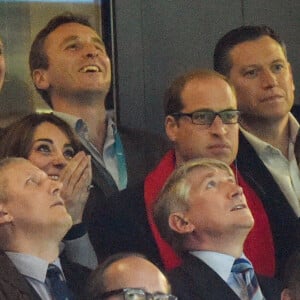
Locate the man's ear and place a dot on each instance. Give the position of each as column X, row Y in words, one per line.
column 179, row 223
column 40, row 79
column 171, row 128
column 286, row 295
column 5, row 216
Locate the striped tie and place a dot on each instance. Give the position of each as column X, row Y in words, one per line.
column 242, row 268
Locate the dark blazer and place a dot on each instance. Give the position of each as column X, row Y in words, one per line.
column 142, row 150
column 120, row 224
column 105, row 218
column 14, row 286
column 284, row 223
column 195, row 280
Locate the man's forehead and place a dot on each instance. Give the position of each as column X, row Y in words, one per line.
column 22, row 168
column 246, row 51
column 196, row 92
column 200, row 173
column 73, row 29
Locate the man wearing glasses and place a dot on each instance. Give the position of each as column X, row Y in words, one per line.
column 128, row 276
column 201, row 121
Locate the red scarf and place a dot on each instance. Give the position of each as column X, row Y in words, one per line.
column 258, row 247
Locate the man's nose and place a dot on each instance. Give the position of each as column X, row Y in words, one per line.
column 235, row 190
column 268, row 79
column 55, row 187
column 91, row 51
column 218, row 127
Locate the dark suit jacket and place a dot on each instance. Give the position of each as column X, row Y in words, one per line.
column 104, row 219
column 120, row 224
column 142, row 150
column 195, row 280
column 14, row 286
column 284, row 222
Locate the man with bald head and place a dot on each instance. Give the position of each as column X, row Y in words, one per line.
column 128, row 276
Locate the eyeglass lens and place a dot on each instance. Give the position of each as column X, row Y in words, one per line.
column 208, row 117
column 140, row 295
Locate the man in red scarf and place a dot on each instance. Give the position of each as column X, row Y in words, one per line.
column 201, row 121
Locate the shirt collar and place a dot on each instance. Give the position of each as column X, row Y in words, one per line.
column 261, row 146
column 219, row 262
column 70, row 119
column 31, row 266
column 79, row 125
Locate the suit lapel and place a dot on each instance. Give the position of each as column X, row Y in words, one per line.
column 207, row 284
column 14, row 279
column 284, row 222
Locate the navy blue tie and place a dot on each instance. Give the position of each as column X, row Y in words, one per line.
column 58, row 286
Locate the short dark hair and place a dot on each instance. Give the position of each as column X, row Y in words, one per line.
column 16, row 139
column 96, row 281
column 172, row 98
column 222, row 61
column 37, row 57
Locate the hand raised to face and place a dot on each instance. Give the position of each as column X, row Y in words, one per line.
column 76, row 178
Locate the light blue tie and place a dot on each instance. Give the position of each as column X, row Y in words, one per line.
column 242, row 268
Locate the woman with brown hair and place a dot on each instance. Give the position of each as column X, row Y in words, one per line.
column 50, row 144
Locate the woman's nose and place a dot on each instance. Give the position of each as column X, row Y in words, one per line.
column 59, row 161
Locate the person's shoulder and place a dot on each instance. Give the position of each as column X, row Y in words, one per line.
column 271, row 287
column 13, row 284
column 76, row 274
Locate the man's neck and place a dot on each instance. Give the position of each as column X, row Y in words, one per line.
column 93, row 114
column 230, row 245
column 273, row 132
column 47, row 250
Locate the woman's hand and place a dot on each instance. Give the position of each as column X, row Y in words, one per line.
column 76, row 178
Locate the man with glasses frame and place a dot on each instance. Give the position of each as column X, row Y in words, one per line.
column 201, row 121
column 111, row 280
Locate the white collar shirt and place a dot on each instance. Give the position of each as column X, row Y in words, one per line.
column 284, row 171
column 222, row 264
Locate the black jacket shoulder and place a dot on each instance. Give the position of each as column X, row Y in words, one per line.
column 120, row 224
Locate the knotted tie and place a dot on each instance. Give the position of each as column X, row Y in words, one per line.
column 58, row 286
column 243, row 273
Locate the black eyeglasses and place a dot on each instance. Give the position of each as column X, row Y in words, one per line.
column 137, row 294
column 207, row 117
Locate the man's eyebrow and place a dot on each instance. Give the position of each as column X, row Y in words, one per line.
column 72, row 38
column 277, row 60
column 98, row 40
